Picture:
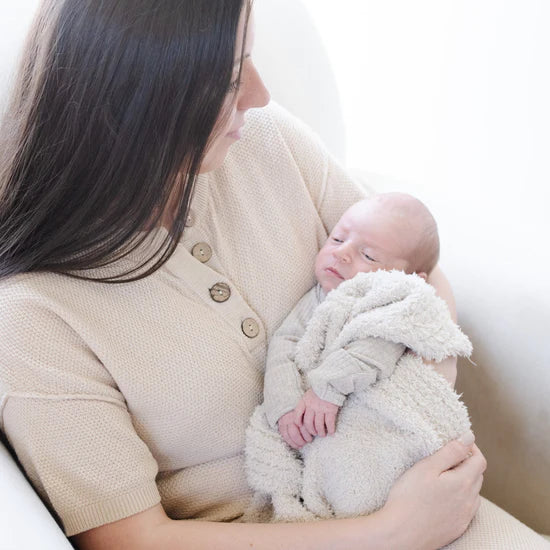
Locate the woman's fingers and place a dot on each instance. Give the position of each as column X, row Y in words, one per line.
column 449, row 456
column 478, row 484
column 474, row 462
column 435, row 500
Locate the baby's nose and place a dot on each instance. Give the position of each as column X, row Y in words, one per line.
column 342, row 253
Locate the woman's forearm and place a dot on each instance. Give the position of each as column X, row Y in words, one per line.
column 152, row 529
column 430, row 505
column 447, row 367
column 371, row 532
column 443, row 289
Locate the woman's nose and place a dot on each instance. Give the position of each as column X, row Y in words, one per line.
column 252, row 92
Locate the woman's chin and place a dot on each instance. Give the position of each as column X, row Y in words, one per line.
column 214, row 158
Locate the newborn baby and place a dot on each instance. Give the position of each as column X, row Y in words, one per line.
column 388, row 231
column 355, row 342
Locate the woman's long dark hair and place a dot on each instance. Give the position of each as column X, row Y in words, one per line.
column 109, row 122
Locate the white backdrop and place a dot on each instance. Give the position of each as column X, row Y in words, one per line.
column 15, row 17
column 441, row 96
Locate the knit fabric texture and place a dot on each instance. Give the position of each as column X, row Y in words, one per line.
column 117, row 397
column 396, row 412
column 494, row 529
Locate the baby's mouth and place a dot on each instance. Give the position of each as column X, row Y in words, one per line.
column 334, row 272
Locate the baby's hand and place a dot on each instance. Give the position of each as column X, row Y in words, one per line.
column 296, row 436
column 316, row 415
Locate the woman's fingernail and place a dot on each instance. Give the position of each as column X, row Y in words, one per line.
column 467, row 438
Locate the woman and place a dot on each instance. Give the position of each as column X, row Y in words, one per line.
column 142, row 274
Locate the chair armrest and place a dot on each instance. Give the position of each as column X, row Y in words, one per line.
column 24, row 520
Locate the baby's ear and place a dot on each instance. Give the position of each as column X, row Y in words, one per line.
column 423, row 275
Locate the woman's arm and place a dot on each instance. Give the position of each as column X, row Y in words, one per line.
column 428, row 507
column 447, row 367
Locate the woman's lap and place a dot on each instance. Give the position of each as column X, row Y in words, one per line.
column 494, row 529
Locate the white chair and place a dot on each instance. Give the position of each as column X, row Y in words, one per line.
column 25, row 523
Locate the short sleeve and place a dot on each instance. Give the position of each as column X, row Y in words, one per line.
column 68, row 424
column 331, row 188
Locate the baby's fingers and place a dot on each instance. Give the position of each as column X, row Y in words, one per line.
column 305, row 434
column 309, row 421
column 320, row 424
column 295, row 436
column 283, row 430
column 330, row 421
column 299, row 412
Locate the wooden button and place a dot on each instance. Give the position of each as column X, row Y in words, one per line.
column 250, row 328
column 202, row 252
column 220, row 292
column 190, row 219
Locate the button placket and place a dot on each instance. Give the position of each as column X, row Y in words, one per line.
column 190, row 221
column 204, row 281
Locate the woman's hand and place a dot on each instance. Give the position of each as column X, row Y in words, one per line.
column 433, row 503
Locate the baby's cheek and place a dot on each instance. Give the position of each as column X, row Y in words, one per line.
column 366, row 268
column 319, row 263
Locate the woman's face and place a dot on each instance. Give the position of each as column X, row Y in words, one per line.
column 251, row 93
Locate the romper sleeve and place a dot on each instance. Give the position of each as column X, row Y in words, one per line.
column 68, row 423
column 354, row 368
column 283, row 381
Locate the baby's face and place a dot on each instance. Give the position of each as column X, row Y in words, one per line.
column 366, row 238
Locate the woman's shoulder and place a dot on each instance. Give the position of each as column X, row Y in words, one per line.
column 28, row 287
column 26, row 296
column 40, row 287
column 275, row 126
column 278, row 147
column 280, row 123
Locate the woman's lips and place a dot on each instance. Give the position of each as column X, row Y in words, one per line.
column 334, row 272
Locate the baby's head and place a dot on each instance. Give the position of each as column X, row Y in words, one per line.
column 387, row 231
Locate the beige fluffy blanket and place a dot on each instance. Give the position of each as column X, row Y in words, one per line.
column 381, row 430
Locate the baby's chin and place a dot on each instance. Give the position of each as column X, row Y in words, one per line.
column 328, row 286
